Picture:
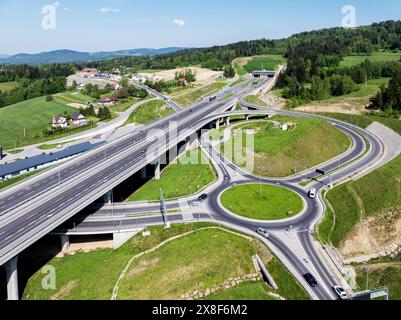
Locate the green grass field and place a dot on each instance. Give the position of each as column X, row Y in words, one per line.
column 92, row 276
column 193, row 262
column 368, row 196
column 149, row 112
column 282, row 153
column 381, row 275
column 267, row 62
column 33, row 115
column 178, row 180
column 189, row 98
column 254, row 99
column 6, row 86
column 350, row 61
column 263, row 202
column 252, row 290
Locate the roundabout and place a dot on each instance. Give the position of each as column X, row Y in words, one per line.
column 263, row 202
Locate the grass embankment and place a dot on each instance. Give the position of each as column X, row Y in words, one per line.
column 366, row 120
column 279, row 153
column 189, row 98
column 55, row 145
column 34, row 115
column 354, row 60
column 191, row 262
column 7, row 86
column 262, row 202
column 384, row 272
column 9, row 182
column 255, row 290
column 242, row 66
column 366, row 197
column 266, row 62
column 149, row 112
column 194, row 262
column 255, row 99
column 179, row 179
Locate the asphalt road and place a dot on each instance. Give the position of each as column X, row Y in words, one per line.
column 360, row 156
column 32, row 209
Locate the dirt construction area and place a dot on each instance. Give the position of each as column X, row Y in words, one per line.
column 86, row 78
column 203, row 76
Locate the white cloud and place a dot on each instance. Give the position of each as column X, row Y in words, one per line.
column 107, row 10
column 179, row 22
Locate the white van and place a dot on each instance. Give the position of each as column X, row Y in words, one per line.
column 312, row 193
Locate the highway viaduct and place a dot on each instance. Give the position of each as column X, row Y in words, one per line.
column 48, row 200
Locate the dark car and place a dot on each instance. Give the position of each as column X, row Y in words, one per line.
column 310, row 280
column 202, row 197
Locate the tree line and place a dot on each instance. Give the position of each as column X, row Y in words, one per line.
column 33, row 81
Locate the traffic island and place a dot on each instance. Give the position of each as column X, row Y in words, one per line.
column 262, row 202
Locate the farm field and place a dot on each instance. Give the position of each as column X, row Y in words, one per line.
column 6, row 86
column 350, row 61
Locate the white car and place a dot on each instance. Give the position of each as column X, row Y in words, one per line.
column 340, row 292
column 312, row 193
column 263, row 233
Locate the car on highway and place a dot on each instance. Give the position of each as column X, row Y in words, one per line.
column 340, row 292
column 202, row 197
column 310, row 280
column 312, row 193
column 263, row 233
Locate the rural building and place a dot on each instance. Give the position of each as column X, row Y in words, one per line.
column 90, row 70
column 78, row 119
column 59, row 122
column 13, row 169
column 183, row 82
column 116, row 86
column 108, row 101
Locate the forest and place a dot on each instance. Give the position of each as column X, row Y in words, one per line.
column 33, row 81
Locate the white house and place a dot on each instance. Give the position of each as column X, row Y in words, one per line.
column 78, row 119
column 59, row 122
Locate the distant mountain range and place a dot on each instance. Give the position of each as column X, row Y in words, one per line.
column 70, row 56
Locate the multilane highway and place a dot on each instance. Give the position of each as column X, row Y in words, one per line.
column 359, row 157
column 32, row 209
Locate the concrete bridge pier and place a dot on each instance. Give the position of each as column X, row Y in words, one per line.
column 143, row 173
column 65, row 243
column 218, row 124
column 227, row 121
column 187, row 145
column 157, row 170
column 247, row 118
column 108, row 197
column 12, row 279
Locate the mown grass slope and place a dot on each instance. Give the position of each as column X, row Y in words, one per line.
column 281, row 153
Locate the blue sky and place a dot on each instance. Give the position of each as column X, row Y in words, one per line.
column 105, row 25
